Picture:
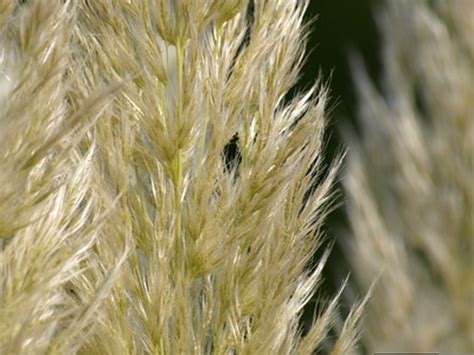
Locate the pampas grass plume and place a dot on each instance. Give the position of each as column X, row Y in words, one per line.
column 123, row 228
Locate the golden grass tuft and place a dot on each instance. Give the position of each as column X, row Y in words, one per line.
column 410, row 181
column 123, row 228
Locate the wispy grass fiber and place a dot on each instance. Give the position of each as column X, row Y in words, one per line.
column 123, row 228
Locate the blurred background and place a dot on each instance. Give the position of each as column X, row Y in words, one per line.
column 339, row 29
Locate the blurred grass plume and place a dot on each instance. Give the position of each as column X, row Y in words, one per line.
column 410, row 180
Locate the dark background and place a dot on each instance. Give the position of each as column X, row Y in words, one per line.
column 340, row 27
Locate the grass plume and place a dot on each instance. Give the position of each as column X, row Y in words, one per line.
column 123, row 228
column 410, row 181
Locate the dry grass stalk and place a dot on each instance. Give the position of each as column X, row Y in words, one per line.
column 410, row 181
column 122, row 228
